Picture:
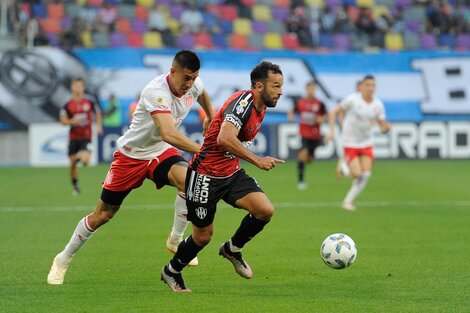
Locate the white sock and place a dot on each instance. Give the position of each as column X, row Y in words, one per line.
column 82, row 233
column 233, row 248
column 180, row 221
column 357, row 187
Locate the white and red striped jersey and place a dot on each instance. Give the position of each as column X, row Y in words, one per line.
column 143, row 139
column 360, row 116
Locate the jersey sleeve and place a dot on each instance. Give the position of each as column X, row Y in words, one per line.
column 156, row 101
column 323, row 108
column 347, row 102
column 381, row 115
column 239, row 110
column 64, row 111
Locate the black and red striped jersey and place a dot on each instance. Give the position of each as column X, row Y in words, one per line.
column 82, row 109
column 238, row 109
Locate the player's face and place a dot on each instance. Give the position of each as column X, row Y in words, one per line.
column 368, row 87
column 77, row 87
column 182, row 79
column 311, row 90
column 272, row 89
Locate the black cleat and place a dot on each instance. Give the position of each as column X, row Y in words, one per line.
column 174, row 281
column 241, row 267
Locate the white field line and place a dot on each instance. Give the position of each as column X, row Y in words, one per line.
column 310, row 204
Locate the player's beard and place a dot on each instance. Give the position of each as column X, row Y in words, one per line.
column 267, row 100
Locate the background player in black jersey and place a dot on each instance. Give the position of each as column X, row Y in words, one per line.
column 214, row 173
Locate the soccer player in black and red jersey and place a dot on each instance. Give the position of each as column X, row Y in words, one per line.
column 312, row 113
column 78, row 113
column 214, row 173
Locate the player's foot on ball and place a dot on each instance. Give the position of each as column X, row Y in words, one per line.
column 240, row 265
column 302, row 186
column 58, row 269
column 174, row 281
column 348, row 206
column 172, row 243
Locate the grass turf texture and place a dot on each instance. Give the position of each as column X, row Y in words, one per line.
column 411, row 231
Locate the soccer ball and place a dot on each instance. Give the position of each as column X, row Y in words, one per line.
column 338, row 251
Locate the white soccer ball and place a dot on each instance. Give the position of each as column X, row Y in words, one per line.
column 338, row 251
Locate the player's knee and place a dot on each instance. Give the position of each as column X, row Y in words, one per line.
column 265, row 214
column 202, row 237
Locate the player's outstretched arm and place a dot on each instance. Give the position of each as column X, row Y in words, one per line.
column 166, row 124
column 384, row 126
column 228, row 139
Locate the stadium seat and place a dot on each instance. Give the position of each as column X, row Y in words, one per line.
column 55, row 10
column 359, row 41
column 446, row 41
column 341, row 42
column 39, row 10
column 239, row 42
column 276, row 27
column 349, row 3
column 242, row 26
column 203, row 40
column 428, row 42
column 95, row 3
column 176, row 11
column 173, row 25
column 228, row 12
column 152, row 40
column 100, row 40
column 256, row 41
column 379, row 10
column 226, row 27
column 393, row 41
column 365, row 3
column 51, row 25
column 280, row 13
column 259, row 27
column 411, row 41
column 261, row 13
column 325, row 41
column 87, row 41
column 125, row 10
column 282, row 3
column 123, row 25
column 388, row 3
column 135, row 40
column 66, row 23
column 333, row 3
column 141, row 12
column 415, row 13
column 117, row 40
column 290, row 41
column 72, row 10
column 317, row 3
column 403, row 3
column 219, row 41
column 462, row 42
column 145, row 3
column 414, row 26
column 186, row 41
column 139, row 26
column 273, row 41
column 248, row 3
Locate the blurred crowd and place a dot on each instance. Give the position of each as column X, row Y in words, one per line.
column 313, row 23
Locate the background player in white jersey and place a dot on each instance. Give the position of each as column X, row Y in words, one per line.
column 362, row 110
column 147, row 150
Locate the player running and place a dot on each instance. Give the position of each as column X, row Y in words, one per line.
column 214, row 173
column 147, row 150
column 361, row 111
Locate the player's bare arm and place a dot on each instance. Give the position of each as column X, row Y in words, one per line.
column 170, row 134
column 337, row 111
column 206, row 105
column 65, row 120
column 99, row 122
column 228, row 140
column 384, row 126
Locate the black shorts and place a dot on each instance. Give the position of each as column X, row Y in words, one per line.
column 203, row 193
column 76, row 146
column 311, row 145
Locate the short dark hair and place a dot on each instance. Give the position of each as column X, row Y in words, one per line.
column 311, row 82
column 368, row 77
column 187, row 59
column 77, row 79
column 260, row 72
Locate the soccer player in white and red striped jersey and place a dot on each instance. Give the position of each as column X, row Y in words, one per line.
column 362, row 110
column 147, row 150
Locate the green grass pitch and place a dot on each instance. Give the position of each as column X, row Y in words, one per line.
column 411, row 230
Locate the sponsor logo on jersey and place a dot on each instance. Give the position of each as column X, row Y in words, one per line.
column 243, row 103
column 159, row 100
column 239, row 109
column 201, row 189
column 201, row 212
column 234, row 120
column 189, row 101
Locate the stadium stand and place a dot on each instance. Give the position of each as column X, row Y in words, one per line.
column 339, row 25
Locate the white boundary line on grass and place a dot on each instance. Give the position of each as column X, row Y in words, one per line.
column 310, row 204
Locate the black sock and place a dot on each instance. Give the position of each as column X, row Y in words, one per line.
column 249, row 227
column 187, row 250
column 75, row 182
column 301, row 169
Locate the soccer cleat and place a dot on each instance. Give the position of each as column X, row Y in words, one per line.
column 348, row 206
column 241, row 267
column 57, row 271
column 302, row 186
column 172, row 246
column 76, row 190
column 174, row 281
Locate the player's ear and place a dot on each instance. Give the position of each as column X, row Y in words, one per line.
column 259, row 86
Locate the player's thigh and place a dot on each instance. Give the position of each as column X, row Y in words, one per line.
column 168, row 169
column 366, row 162
column 258, row 204
column 177, row 175
column 355, row 167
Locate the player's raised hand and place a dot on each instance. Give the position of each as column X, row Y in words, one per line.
column 268, row 162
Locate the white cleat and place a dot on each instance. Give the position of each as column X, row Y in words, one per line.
column 302, row 186
column 172, row 246
column 57, row 271
column 348, row 206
